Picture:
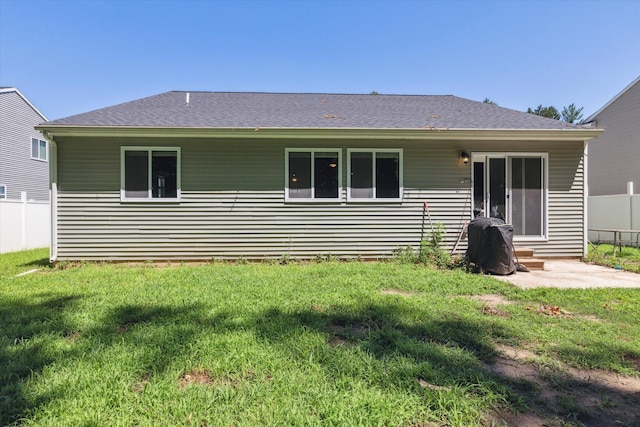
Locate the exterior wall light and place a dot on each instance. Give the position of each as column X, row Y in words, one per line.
column 464, row 156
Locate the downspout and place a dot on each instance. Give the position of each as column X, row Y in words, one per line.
column 53, row 196
column 585, row 190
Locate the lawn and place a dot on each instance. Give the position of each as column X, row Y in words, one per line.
column 333, row 343
column 626, row 259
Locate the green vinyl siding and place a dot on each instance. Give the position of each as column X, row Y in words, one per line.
column 233, row 202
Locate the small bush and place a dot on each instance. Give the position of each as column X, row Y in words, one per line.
column 405, row 255
column 430, row 253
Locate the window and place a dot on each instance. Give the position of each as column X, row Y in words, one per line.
column 38, row 149
column 3, row 191
column 313, row 174
column 150, row 173
column 374, row 175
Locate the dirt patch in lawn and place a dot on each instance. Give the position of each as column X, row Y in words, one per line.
column 205, row 377
column 357, row 330
column 72, row 336
column 142, row 384
column 195, row 377
column 566, row 395
column 491, row 300
column 490, row 311
column 491, row 304
column 397, row 292
column 424, row 384
column 346, row 334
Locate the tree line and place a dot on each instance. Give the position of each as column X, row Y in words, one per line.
column 569, row 114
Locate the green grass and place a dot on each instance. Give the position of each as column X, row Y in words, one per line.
column 299, row 344
column 19, row 262
column 627, row 259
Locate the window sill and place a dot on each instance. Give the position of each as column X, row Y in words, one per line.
column 289, row 200
column 530, row 238
column 40, row 160
column 374, row 200
column 153, row 201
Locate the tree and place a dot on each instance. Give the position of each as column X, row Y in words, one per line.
column 488, row 101
column 550, row 112
column 571, row 114
column 374, row 92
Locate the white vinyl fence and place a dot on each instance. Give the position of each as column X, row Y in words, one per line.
column 620, row 211
column 24, row 225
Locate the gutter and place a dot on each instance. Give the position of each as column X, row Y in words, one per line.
column 572, row 134
column 585, row 200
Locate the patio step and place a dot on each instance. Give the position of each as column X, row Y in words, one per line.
column 524, row 252
column 532, row 263
column 526, row 257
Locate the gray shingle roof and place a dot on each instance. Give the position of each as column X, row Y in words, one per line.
column 302, row 110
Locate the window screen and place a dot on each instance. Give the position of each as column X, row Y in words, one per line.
column 150, row 174
column 374, row 174
column 313, row 174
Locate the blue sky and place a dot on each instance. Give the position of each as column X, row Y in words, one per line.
column 71, row 56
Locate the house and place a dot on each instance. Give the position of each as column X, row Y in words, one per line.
column 614, row 159
column 207, row 175
column 614, row 168
column 24, row 175
column 24, row 154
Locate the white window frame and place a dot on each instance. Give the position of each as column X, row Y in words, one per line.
column 508, row 155
column 150, row 198
column 373, row 159
column 338, row 151
column 46, row 149
column 3, row 195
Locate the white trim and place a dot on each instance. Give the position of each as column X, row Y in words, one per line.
column 508, row 155
column 614, row 99
column 13, row 89
column 511, row 135
column 585, row 196
column 150, row 198
column 399, row 151
column 46, row 149
column 312, row 199
column 53, row 198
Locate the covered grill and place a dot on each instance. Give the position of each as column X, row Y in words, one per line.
column 491, row 245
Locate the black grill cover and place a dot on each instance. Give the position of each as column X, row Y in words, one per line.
column 490, row 245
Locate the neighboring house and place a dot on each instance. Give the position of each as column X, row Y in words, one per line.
column 614, row 158
column 614, row 162
column 24, row 152
column 24, row 175
column 205, row 175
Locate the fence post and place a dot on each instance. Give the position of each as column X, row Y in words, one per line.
column 630, row 194
column 23, row 199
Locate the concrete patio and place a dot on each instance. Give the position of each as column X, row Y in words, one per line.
column 573, row 274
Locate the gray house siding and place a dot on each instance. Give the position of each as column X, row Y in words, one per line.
column 614, row 157
column 233, row 203
column 18, row 171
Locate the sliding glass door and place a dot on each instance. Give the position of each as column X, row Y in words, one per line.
column 511, row 187
column 527, row 203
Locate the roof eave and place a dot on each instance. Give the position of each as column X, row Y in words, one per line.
column 24, row 98
column 592, row 117
column 573, row 134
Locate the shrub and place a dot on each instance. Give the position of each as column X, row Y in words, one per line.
column 431, row 253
